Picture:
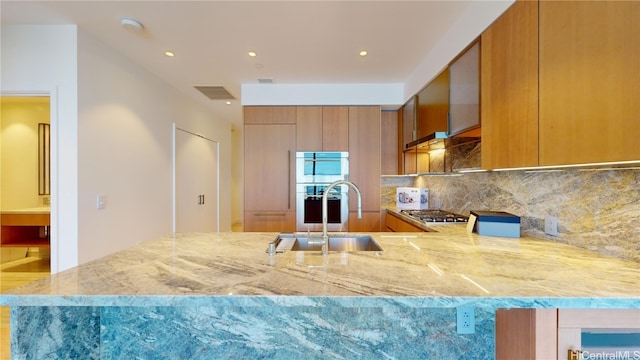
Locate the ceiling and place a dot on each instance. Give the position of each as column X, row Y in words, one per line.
column 297, row 42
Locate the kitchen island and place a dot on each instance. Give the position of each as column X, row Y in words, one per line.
column 220, row 295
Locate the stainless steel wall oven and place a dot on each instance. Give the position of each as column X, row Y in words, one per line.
column 315, row 171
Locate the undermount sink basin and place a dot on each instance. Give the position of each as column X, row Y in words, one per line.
column 337, row 242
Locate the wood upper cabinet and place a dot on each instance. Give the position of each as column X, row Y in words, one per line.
column 389, row 143
column 269, row 171
column 509, row 88
column 364, row 164
column 269, row 115
column 309, row 128
column 322, row 128
column 433, row 106
column 589, row 81
column 335, row 128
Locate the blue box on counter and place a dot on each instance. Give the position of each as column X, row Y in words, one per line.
column 496, row 223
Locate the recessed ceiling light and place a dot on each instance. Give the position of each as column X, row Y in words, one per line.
column 363, row 53
column 228, row 103
column 169, row 53
column 253, row 54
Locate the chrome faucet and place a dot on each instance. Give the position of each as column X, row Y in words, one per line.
column 325, row 236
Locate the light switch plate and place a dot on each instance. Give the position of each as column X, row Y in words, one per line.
column 551, row 225
column 101, row 201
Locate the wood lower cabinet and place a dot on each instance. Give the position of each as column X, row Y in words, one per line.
column 589, row 81
column 526, row 334
column 270, row 221
column 509, row 88
column 395, row 224
column 370, row 221
column 548, row 334
column 25, row 229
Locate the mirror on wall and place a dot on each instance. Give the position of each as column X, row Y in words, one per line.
column 44, row 149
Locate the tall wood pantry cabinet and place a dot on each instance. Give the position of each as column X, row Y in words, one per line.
column 269, row 168
column 365, row 166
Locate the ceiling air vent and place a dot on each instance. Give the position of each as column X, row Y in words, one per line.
column 265, row 81
column 215, row 92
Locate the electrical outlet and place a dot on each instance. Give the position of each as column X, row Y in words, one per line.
column 551, row 225
column 466, row 320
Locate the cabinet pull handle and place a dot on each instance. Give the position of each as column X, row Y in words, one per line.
column 202, row 199
column 269, row 214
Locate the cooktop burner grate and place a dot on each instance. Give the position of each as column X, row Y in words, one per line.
column 435, row 215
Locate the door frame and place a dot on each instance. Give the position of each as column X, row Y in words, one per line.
column 175, row 129
column 54, row 236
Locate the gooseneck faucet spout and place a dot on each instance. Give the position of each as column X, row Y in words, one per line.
column 325, row 236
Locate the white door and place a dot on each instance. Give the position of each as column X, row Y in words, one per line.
column 196, row 183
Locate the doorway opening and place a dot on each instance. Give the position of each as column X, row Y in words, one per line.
column 25, row 196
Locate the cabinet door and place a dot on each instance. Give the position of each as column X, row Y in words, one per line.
column 364, row 156
column 389, row 143
column 589, row 81
column 398, row 225
column 335, row 128
column 322, row 128
column 433, row 106
column 370, row 221
column 309, row 128
column 509, row 88
column 526, row 334
column 196, row 183
column 409, row 122
column 269, row 115
column 464, row 92
column 270, row 221
column 269, row 167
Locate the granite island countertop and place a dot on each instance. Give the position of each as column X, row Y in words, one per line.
column 448, row 263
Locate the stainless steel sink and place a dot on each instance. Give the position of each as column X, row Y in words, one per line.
column 302, row 241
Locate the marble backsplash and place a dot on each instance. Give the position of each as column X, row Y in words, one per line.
column 597, row 209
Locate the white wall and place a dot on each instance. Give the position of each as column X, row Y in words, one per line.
column 125, row 150
column 43, row 60
column 111, row 134
column 477, row 17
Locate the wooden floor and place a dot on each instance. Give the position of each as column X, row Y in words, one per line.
column 14, row 274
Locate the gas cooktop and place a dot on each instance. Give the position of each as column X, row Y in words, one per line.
column 435, row 215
